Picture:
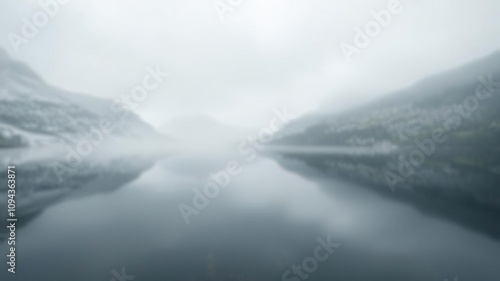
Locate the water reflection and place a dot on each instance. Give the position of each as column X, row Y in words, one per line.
column 38, row 186
column 469, row 199
column 265, row 222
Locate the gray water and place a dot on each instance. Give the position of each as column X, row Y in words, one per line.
column 265, row 221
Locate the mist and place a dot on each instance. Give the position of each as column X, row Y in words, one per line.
column 262, row 55
column 250, row 140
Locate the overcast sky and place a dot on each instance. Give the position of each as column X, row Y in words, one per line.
column 265, row 54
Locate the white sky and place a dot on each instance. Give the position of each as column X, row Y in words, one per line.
column 266, row 54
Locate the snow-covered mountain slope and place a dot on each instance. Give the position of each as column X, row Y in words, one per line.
column 33, row 113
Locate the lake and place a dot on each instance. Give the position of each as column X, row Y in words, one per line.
column 271, row 222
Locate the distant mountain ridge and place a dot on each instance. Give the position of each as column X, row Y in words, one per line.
column 204, row 132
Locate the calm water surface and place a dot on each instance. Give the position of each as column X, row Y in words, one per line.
column 265, row 221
